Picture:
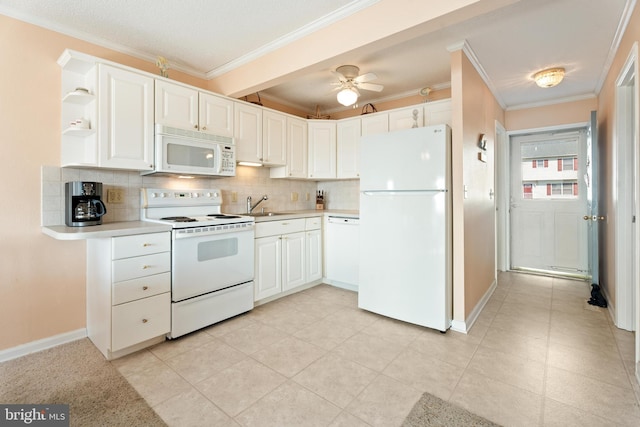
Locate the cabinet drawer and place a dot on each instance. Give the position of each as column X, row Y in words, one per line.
column 131, row 290
column 140, row 244
column 313, row 223
column 274, row 228
column 141, row 266
column 138, row 321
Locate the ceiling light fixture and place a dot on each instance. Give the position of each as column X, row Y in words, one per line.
column 549, row 77
column 347, row 96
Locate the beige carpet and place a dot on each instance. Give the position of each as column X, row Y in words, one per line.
column 78, row 375
column 432, row 411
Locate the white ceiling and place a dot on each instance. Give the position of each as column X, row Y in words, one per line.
column 207, row 38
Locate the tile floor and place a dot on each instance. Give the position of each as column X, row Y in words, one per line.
column 538, row 355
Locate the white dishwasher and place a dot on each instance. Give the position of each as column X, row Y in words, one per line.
column 342, row 249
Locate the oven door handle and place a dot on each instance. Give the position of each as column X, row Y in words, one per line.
column 189, row 233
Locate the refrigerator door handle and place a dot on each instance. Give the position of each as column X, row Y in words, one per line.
column 401, row 192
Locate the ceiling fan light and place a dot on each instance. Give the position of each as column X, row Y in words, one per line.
column 347, row 97
column 549, row 78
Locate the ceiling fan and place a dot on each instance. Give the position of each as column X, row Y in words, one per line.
column 350, row 81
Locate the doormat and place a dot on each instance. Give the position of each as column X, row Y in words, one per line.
column 76, row 374
column 433, row 411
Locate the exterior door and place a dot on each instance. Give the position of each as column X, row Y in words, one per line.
column 549, row 202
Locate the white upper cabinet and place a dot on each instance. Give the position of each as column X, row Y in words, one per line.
column 112, row 115
column 375, row 123
column 274, row 138
column 322, row 149
column 437, row 112
column 126, row 119
column 248, row 132
column 187, row 108
column 176, row 105
column 297, row 158
column 215, row 115
column 348, row 148
column 406, row 118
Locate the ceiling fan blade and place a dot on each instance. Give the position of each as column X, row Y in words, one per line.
column 371, row 86
column 339, row 76
column 365, row 78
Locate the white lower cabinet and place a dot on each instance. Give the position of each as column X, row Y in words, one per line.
column 313, row 249
column 128, row 292
column 287, row 256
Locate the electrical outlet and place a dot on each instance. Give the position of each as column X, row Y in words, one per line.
column 294, row 196
column 115, row 195
column 234, row 196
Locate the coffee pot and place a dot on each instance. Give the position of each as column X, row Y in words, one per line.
column 83, row 204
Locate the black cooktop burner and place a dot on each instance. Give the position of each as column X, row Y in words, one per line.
column 179, row 219
column 223, row 216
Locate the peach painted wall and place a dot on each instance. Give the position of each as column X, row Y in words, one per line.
column 550, row 115
column 42, row 280
column 475, row 112
column 607, row 143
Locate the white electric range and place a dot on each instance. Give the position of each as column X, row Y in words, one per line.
column 212, row 256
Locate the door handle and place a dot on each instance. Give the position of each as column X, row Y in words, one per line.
column 593, row 218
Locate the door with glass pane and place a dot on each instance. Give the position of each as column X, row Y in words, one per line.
column 548, row 203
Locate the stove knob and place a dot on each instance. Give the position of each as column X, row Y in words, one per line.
column 162, row 195
column 209, row 195
column 154, row 195
column 216, row 195
column 196, row 195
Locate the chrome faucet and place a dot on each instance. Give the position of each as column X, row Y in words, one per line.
column 251, row 208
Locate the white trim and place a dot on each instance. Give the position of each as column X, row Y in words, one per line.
column 304, row 31
column 626, row 88
column 552, row 102
column 471, row 55
column 576, row 126
column 502, row 192
column 467, row 324
column 341, row 285
column 43, row 344
column 611, row 309
column 402, row 95
column 615, row 43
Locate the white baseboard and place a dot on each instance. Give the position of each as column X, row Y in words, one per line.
column 610, row 307
column 342, row 285
column 464, row 326
column 43, row 344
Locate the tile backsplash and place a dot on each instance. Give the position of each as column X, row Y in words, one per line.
column 254, row 182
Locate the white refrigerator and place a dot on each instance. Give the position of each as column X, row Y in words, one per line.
column 405, row 226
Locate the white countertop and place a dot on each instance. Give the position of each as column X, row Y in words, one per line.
column 115, row 229
column 308, row 214
column 110, row 229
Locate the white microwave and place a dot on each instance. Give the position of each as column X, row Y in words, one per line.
column 181, row 151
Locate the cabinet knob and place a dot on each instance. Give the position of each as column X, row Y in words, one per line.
column 144, row 245
column 144, row 288
column 144, row 320
column 144, row 267
column 204, row 128
column 195, row 126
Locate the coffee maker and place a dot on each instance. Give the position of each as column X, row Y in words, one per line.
column 82, row 203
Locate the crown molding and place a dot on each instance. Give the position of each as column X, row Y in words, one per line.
column 62, row 29
column 552, row 102
column 615, row 44
column 316, row 25
column 471, row 55
column 406, row 94
column 304, row 31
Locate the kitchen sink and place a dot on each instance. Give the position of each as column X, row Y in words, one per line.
column 269, row 213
